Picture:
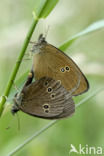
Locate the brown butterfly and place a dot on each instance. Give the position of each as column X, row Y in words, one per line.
column 51, row 62
column 45, row 98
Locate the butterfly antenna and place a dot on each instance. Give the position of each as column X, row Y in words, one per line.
column 46, row 32
column 18, row 121
column 10, row 123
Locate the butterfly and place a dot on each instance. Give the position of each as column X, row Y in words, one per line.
column 49, row 61
column 45, row 98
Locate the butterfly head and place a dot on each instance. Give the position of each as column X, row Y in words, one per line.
column 39, row 45
column 41, row 39
column 17, row 102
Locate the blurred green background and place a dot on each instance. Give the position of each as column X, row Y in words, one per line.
column 69, row 17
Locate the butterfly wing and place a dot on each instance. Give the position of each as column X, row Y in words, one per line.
column 51, row 62
column 47, row 98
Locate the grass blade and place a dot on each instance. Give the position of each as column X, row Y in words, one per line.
column 41, row 10
column 18, row 148
column 91, row 28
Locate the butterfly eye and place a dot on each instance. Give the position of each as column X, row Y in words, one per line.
column 49, row 89
column 62, row 70
column 67, row 68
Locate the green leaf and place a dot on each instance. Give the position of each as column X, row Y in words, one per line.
column 48, row 8
column 43, row 8
column 91, row 28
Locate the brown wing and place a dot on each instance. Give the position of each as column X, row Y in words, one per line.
column 47, row 99
column 51, row 62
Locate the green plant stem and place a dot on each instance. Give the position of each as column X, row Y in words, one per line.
column 50, row 124
column 16, row 68
column 19, row 60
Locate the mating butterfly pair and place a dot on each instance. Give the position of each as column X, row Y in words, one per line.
column 58, row 78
